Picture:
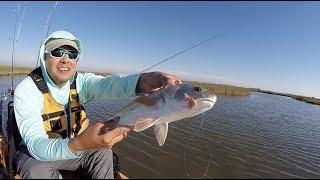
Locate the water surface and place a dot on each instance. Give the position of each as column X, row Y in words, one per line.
column 256, row 136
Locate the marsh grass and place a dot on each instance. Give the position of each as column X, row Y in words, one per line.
column 97, row 73
column 227, row 90
column 218, row 89
column 221, row 89
column 306, row 99
column 6, row 70
column 311, row 100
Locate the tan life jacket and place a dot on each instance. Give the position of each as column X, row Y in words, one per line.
column 58, row 121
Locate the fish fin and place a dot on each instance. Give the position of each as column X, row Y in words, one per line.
column 161, row 131
column 144, row 123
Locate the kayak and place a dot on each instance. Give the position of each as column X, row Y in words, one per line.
column 6, row 171
column 4, row 165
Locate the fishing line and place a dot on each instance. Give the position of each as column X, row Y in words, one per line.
column 184, row 152
column 184, row 51
column 13, row 45
column 16, row 34
column 47, row 27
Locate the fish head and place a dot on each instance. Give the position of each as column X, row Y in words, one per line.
column 189, row 99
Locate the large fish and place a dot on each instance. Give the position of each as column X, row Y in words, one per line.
column 171, row 103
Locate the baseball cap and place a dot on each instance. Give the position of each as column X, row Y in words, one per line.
column 55, row 43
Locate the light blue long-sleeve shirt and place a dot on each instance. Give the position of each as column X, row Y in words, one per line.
column 28, row 103
column 28, row 106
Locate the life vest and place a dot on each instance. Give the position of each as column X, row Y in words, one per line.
column 52, row 114
column 60, row 121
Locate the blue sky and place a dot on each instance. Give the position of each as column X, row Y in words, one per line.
column 269, row 45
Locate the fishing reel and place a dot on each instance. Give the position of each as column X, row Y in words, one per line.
column 6, row 94
column 10, row 91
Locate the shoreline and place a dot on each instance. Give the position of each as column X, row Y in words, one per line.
column 307, row 99
column 14, row 74
column 218, row 89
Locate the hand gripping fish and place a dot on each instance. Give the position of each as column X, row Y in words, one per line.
column 171, row 103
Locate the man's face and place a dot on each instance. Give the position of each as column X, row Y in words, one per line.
column 60, row 69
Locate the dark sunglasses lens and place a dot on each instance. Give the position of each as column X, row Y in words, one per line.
column 73, row 54
column 57, row 52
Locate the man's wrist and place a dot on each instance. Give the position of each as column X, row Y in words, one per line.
column 138, row 87
column 72, row 145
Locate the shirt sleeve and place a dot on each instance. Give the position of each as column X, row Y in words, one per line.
column 118, row 86
column 28, row 105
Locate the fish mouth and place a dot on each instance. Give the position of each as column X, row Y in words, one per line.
column 211, row 100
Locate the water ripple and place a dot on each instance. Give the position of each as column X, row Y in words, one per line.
column 256, row 136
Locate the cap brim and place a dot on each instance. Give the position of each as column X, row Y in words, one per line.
column 55, row 43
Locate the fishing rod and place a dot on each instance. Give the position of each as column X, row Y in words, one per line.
column 16, row 35
column 184, row 51
column 47, row 27
column 13, row 47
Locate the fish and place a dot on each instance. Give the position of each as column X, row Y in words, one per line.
column 168, row 104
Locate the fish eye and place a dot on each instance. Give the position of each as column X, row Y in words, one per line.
column 198, row 89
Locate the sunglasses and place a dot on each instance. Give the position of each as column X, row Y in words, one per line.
column 59, row 52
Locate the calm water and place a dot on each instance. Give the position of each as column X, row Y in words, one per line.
column 257, row 136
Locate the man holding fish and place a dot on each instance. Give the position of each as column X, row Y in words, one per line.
column 53, row 129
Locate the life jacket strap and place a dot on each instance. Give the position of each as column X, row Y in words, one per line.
column 46, row 117
column 37, row 78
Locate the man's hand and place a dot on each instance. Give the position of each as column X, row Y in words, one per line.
column 99, row 135
column 152, row 81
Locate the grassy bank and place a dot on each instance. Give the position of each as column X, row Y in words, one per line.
column 220, row 89
column 306, row 99
column 97, row 73
column 311, row 100
column 6, row 70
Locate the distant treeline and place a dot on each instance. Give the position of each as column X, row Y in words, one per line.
column 218, row 89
